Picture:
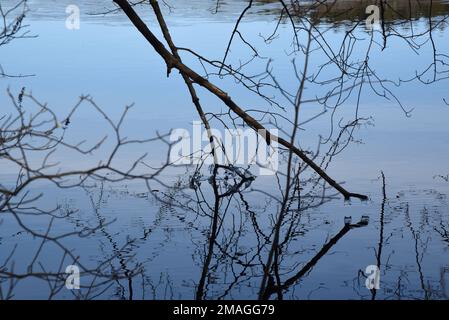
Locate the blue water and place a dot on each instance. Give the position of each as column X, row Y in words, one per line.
column 109, row 60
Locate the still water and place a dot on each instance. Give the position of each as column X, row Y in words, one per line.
column 159, row 245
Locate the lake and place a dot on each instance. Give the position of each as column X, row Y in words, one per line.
column 158, row 240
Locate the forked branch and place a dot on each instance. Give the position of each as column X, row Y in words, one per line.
column 173, row 62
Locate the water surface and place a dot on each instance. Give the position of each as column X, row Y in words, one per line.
column 109, row 60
